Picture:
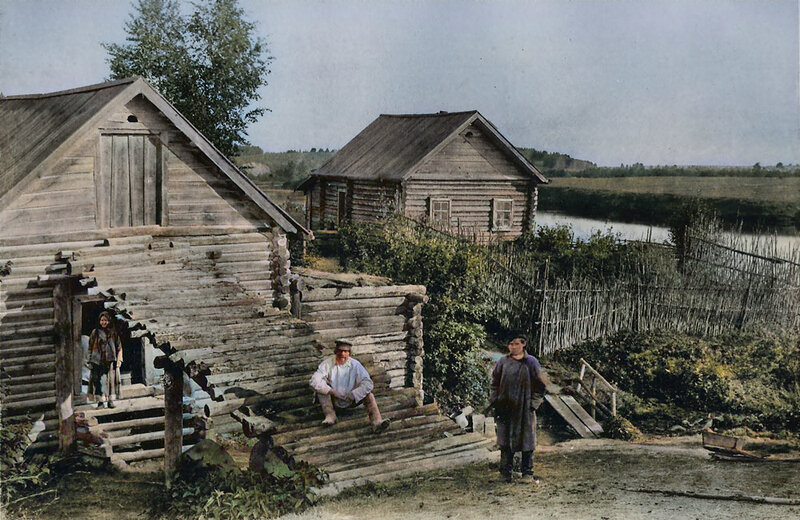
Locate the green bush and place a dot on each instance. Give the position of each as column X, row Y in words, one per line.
column 20, row 476
column 741, row 380
column 453, row 332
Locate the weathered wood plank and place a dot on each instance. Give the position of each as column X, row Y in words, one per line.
column 136, row 175
column 120, row 212
column 150, row 174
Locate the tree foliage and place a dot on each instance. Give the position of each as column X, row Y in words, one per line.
column 209, row 64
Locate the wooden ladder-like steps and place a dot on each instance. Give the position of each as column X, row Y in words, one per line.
column 203, row 296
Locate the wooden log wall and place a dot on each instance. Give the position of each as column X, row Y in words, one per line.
column 197, row 193
column 383, row 321
column 325, row 200
column 373, row 200
column 280, row 269
column 470, row 203
column 62, row 200
column 470, row 171
column 28, row 338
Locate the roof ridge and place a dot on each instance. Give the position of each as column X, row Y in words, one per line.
column 88, row 88
column 435, row 114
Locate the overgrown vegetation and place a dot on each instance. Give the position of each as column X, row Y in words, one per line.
column 458, row 318
column 737, row 380
column 20, row 477
column 230, row 492
column 740, row 379
column 453, row 332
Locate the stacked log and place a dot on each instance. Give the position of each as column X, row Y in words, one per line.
column 28, row 336
column 412, row 310
column 280, row 269
column 379, row 319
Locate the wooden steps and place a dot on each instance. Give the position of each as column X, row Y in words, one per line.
column 210, row 298
column 572, row 412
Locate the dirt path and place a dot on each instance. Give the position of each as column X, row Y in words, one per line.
column 584, row 480
column 597, row 480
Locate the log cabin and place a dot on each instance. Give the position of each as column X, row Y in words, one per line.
column 111, row 200
column 455, row 171
column 110, row 173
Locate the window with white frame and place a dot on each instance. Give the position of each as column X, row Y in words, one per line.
column 439, row 214
column 502, row 214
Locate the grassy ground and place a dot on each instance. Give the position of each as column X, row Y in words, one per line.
column 746, row 188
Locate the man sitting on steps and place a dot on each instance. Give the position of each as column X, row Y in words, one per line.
column 347, row 381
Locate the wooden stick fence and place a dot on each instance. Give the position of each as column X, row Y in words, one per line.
column 727, row 283
column 721, row 289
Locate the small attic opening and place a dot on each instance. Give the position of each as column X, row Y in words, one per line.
column 133, row 119
column 468, row 134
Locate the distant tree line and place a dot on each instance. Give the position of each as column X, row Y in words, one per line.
column 554, row 164
column 640, row 170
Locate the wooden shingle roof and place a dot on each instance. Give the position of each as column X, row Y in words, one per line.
column 36, row 129
column 393, row 146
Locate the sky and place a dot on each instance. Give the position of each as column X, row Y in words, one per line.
column 626, row 81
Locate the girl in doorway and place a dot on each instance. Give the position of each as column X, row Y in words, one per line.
column 105, row 357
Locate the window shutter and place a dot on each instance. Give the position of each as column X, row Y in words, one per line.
column 429, row 209
column 492, row 216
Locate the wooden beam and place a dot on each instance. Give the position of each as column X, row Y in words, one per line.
column 62, row 294
column 173, row 420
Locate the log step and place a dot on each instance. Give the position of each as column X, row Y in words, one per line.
column 133, row 456
column 123, row 406
column 134, row 423
column 116, row 442
column 406, row 468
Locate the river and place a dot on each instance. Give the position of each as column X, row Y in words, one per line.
column 584, row 227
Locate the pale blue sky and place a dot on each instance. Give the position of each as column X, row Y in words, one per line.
column 657, row 82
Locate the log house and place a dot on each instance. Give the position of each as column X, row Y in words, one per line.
column 110, row 163
column 454, row 171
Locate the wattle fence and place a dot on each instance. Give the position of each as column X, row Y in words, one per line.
column 720, row 287
column 714, row 282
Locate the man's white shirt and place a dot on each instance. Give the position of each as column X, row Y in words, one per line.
column 350, row 379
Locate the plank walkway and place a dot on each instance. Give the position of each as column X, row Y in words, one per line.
column 572, row 412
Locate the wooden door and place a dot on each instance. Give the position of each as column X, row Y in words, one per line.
column 129, row 181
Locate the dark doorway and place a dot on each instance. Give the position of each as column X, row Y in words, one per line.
column 132, row 369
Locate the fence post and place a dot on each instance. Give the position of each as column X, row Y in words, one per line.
column 543, row 307
column 745, row 302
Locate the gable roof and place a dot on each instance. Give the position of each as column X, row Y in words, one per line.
column 393, row 146
column 35, row 130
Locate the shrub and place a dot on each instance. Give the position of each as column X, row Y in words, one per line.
column 742, row 380
column 453, row 333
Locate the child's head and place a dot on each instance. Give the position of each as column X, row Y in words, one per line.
column 105, row 320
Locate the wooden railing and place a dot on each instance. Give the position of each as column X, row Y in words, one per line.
column 594, row 391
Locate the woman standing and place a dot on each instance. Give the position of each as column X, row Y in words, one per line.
column 105, row 356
